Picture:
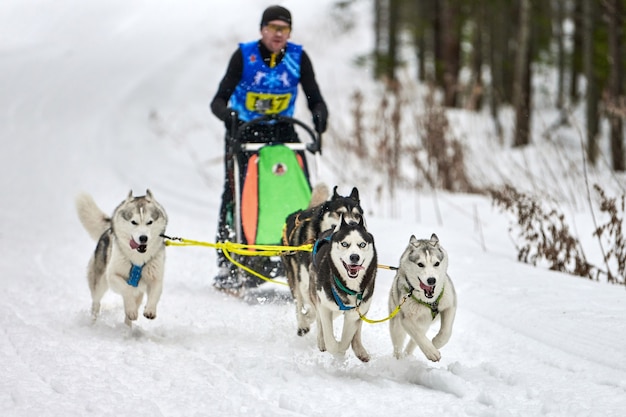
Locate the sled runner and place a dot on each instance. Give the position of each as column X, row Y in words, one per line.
column 271, row 181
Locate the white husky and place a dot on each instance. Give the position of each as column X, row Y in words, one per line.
column 130, row 254
column 423, row 278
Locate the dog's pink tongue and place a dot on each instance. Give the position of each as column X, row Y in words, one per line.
column 428, row 290
column 141, row 248
column 354, row 269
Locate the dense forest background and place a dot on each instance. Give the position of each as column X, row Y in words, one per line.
column 438, row 63
column 483, row 54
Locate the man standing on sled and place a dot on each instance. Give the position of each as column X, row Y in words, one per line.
column 262, row 78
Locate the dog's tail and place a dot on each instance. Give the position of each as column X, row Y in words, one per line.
column 319, row 194
column 94, row 220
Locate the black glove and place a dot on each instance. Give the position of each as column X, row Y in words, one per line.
column 319, row 120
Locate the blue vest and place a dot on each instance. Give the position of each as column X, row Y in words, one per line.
column 264, row 90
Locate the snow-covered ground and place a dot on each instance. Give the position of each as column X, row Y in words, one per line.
column 107, row 96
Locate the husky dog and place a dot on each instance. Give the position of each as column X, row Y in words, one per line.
column 130, row 254
column 305, row 226
column 343, row 274
column 423, row 278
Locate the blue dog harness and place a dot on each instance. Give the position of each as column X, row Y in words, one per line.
column 134, row 275
column 317, row 245
column 340, row 304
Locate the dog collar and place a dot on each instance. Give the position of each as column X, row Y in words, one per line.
column 134, row 275
column 342, row 306
column 434, row 306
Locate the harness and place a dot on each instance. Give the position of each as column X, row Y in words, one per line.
column 434, row 306
column 134, row 275
column 316, row 247
column 300, row 221
column 340, row 304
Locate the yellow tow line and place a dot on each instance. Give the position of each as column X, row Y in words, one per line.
column 268, row 250
column 242, row 249
column 392, row 315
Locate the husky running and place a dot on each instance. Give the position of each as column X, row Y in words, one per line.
column 343, row 274
column 422, row 276
column 305, row 226
column 130, row 254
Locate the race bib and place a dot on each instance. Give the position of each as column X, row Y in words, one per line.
column 267, row 103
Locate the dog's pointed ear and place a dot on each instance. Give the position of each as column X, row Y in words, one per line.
column 130, row 195
column 355, row 194
column 343, row 221
column 361, row 221
column 413, row 240
column 335, row 195
column 434, row 240
column 149, row 194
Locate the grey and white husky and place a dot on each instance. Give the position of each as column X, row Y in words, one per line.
column 343, row 274
column 422, row 277
column 305, row 226
column 130, row 254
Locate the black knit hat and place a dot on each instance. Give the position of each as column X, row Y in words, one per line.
column 275, row 13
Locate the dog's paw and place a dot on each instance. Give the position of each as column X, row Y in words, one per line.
column 399, row 354
column 362, row 355
column 149, row 314
column 433, row 354
column 95, row 310
column 132, row 315
column 321, row 346
column 303, row 330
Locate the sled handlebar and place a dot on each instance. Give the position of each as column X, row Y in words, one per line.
column 315, row 146
column 255, row 146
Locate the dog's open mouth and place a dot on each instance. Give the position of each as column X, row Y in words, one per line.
column 429, row 291
column 141, row 248
column 352, row 270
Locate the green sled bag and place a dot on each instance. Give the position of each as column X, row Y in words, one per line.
column 275, row 186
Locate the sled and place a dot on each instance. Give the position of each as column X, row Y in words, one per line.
column 271, row 181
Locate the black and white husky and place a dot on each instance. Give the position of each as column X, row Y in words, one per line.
column 422, row 277
column 304, row 227
column 130, row 254
column 343, row 274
